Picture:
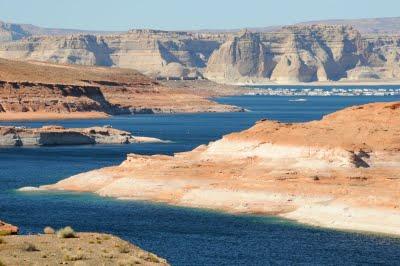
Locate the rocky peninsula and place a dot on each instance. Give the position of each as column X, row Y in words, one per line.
column 37, row 90
column 340, row 172
column 58, row 135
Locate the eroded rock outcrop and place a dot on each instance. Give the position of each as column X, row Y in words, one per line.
column 342, row 171
column 58, row 135
column 293, row 54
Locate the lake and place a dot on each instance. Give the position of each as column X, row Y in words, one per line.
column 184, row 236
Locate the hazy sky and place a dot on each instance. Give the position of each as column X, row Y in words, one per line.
column 186, row 14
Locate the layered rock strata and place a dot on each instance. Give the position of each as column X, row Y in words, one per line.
column 340, row 172
column 58, row 135
column 40, row 88
column 301, row 53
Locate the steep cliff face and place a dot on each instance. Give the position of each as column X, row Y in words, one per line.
column 75, row 49
column 244, row 56
column 293, row 54
column 157, row 53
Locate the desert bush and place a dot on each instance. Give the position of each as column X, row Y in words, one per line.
column 48, row 230
column 74, row 257
column 124, row 249
column 29, row 247
column 152, row 258
column 66, row 232
column 129, row 262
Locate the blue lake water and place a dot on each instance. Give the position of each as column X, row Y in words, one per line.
column 183, row 236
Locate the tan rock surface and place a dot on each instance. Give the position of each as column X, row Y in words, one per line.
column 340, row 172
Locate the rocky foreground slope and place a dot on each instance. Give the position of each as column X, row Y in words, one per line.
column 58, row 135
column 30, row 88
column 339, row 172
column 83, row 249
column 301, row 53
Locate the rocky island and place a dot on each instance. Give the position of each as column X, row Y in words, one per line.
column 340, row 172
column 58, row 135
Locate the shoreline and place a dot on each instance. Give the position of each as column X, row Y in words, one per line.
column 275, row 168
column 338, row 217
column 316, row 84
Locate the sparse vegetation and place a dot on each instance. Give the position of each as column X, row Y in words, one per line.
column 48, row 230
column 66, row 232
column 74, row 257
column 2, row 241
column 123, row 249
column 151, row 258
column 129, row 262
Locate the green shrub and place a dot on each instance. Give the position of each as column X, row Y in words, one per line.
column 48, row 230
column 124, row 249
column 66, row 232
column 74, row 257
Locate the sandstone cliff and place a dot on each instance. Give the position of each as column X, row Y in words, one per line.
column 157, row 53
column 301, row 53
column 293, row 54
column 341, row 172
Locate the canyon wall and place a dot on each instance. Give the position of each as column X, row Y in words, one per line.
column 156, row 53
column 301, row 53
column 305, row 54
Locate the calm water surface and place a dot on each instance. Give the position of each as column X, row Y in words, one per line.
column 183, row 236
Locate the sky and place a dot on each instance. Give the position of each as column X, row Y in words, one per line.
column 121, row 15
